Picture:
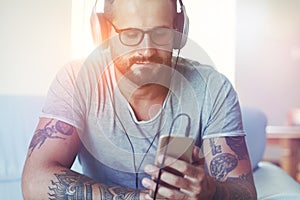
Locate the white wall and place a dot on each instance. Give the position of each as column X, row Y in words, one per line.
column 34, row 43
column 213, row 28
column 268, row 56
column 36, row 40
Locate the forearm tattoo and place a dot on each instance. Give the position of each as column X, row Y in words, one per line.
column 74, row 186
column 71, row 185
column 222, row 164
column 118, row 193
column 50, row 131
column 238, row 188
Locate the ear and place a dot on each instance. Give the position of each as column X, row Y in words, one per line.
column 100, row 29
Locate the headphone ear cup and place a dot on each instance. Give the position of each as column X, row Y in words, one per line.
column 182, row 29
column 95, row 28
column 99, row 28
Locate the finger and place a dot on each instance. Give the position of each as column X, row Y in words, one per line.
column 162, row 190
column 148, row 197
column 173, row 180
column 172, row 194
column 145, row 195
column 151, row 185
column 185, row 183
column 183, row 167
column 151, row 170
column 196, row 151
column 168, row 175
column 197, row 157
column 148, row 183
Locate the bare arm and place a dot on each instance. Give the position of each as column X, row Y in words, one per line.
column 227, row 161
column 47, row 173
column 226, row 174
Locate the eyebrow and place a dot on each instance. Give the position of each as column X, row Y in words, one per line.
column 118, row 30
column 144, row 30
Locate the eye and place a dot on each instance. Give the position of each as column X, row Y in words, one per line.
column 162, row 32
column 131, row 34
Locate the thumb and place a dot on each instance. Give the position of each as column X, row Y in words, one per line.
column 198, row 157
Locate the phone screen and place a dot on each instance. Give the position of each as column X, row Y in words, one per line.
column 177, row 147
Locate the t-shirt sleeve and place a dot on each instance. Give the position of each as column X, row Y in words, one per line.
column 63, row 101
column 223, row 110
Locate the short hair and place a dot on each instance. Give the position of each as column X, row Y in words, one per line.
column 108, row 11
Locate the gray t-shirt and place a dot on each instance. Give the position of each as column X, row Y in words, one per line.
column 115, row 144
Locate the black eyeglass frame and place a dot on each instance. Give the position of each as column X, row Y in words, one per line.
column 149, row 32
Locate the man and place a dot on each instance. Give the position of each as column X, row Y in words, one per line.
column 111, row 110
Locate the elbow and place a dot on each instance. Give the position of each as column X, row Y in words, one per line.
column 32, row 184
column 254, row 192
column 27, row 186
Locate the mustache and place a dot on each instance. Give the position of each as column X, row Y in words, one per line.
column 140, row 59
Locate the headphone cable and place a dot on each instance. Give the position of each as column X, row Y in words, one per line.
column 166, row 149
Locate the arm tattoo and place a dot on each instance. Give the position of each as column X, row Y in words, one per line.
column 221, row 165
column 214, row 148
column 118, row 193
column 74, row 186
column 236, row 188
column 64, row 128
column 71, row 186
column 49, row 131
column 238, row 146
column 233, row 188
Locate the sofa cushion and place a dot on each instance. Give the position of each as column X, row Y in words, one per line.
column 273, row 183
column 18, row 119
column 254, row 122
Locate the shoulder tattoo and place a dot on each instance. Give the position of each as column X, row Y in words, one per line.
column 49, row 131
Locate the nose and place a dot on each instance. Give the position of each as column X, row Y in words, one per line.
column 147, row 46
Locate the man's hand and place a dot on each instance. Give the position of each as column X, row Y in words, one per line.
column 190, row 183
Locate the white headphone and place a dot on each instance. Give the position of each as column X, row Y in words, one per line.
column 100, row 33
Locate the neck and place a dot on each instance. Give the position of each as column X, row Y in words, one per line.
column 146, row 101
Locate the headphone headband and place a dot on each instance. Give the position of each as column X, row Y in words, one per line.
column 100, row 31
column 180, row 2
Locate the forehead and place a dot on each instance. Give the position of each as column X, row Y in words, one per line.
column 143, row 13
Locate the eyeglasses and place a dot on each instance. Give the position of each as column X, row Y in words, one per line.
column 133, row 36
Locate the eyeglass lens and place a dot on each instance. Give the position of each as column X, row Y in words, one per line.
column 159, row 36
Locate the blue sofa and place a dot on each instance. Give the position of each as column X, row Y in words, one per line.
column 19, row 117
